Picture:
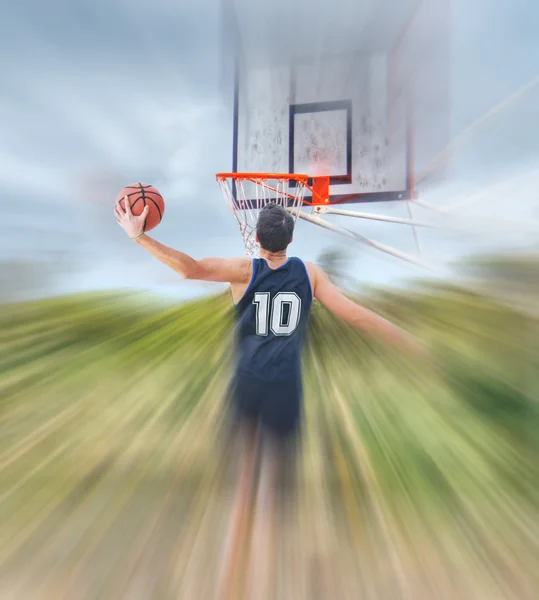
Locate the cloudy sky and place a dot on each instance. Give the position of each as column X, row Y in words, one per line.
column 97, row 94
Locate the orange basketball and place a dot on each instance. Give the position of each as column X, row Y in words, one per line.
column 141, row 195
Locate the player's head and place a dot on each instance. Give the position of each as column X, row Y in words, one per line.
column 275, row 228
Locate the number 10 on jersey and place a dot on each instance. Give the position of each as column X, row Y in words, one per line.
column 270, row 312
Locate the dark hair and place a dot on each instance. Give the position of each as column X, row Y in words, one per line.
column 275, row 228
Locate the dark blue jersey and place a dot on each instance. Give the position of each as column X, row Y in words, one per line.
column 271, row 321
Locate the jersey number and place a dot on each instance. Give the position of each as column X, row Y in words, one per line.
column 275, row 318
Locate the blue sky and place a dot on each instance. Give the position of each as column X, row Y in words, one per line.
column 98, row 94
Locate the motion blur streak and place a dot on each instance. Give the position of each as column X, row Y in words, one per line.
column 412, row 482
column 117, row 474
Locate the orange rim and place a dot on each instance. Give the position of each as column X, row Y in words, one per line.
column 282, row 176
column 319, row 188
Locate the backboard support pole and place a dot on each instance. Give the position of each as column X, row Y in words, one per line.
column 329, row 210
column 362, row 239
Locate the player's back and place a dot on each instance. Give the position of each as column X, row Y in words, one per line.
column 272, row 318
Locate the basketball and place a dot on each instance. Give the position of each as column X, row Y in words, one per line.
column 141, row 195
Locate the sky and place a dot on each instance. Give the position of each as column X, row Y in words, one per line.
column 98, row 94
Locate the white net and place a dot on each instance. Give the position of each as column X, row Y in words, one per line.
column 247, row 196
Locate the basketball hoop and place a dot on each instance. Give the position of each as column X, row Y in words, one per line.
column 248, row 193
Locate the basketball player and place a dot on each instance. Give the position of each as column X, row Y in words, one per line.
column 272, row 296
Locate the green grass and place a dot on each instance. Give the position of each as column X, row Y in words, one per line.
column 101, row 387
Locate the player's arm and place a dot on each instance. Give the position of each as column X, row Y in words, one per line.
column 227, row 270
column 358, row 316
column 231, row 270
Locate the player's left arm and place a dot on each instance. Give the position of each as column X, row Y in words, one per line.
column 229, row 270
column 225, row 270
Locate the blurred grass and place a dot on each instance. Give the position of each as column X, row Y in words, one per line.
column 110, row 405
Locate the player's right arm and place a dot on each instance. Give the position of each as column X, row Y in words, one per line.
column 356, row 315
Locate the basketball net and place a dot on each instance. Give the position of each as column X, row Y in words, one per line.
column 247, row 194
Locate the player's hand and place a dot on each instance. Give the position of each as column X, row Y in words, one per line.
column 132, row 225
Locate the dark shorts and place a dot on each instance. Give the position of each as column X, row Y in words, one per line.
column 275, row 406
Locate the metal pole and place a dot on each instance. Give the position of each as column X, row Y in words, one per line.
column 326, row 210
column 363, row 240
column 416, row 235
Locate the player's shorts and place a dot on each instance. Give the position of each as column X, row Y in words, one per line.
column 275, row 406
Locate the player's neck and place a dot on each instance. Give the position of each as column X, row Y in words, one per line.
column 273, row 257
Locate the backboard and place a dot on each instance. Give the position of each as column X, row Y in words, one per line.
column 329, row 90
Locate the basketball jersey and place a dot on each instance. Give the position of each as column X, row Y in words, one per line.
column 271, row 321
